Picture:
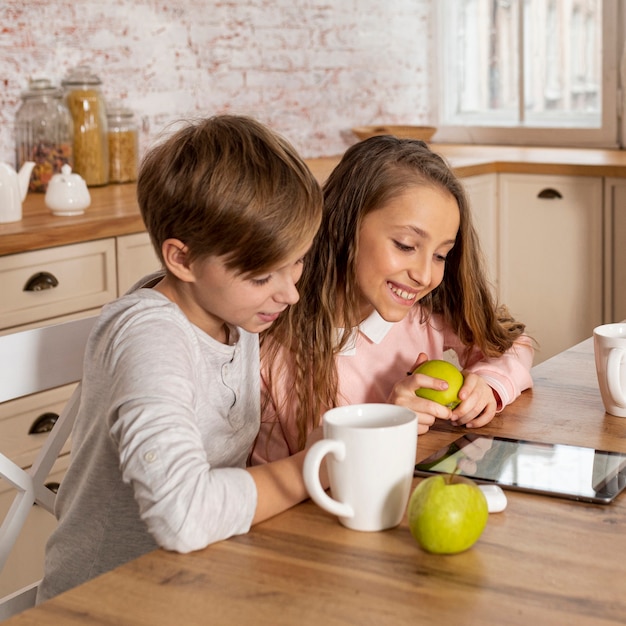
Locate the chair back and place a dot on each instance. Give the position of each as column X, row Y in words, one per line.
column 32, row 361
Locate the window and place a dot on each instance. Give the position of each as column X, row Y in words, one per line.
column 511, row 70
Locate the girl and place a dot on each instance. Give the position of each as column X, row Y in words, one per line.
column 394, row 277
column 170, row 397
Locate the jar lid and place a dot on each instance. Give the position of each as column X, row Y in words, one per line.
column 81, row 75
column 118, row 109
column 39, row 87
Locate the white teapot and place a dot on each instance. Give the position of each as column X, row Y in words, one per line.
column 67, row 193
column 13, row 190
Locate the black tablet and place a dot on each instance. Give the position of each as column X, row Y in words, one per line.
column 561, row 470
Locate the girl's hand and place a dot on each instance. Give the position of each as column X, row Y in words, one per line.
column 403, row 393
column 478, row 403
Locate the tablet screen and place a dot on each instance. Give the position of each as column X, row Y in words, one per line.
column 563, row 470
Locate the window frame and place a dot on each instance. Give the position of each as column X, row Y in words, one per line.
column 613, row 129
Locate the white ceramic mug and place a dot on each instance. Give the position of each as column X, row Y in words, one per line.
column 370, row 450
column 609, row 343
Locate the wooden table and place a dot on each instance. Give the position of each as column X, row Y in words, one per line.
column 542, row 561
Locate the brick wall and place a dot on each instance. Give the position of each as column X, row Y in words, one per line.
column 311, row 69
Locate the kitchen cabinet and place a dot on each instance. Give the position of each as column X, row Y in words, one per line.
column 551, row 256
column 615, row 249
column 65, row 282
column 42, row 287
column 482, row 193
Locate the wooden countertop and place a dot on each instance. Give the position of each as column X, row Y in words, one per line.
column 543, row 561
column 478, row 159
column 114, row 210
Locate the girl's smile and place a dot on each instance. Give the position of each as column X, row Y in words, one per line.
column 408, row 296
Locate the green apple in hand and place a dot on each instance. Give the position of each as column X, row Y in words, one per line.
column 445, row 371
column 447, row 514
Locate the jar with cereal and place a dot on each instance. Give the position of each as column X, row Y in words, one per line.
column 43, row 132
column 88, row 110
column 123, row 144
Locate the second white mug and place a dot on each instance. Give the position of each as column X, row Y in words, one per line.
column 609, row 342
column 370, row 454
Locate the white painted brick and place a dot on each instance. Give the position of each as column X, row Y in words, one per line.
column 310, row 68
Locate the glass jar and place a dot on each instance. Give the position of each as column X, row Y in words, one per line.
column 123, row 144
column 43, row 132
column 88, row 110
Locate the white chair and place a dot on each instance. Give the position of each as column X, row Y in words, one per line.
column 32, row 361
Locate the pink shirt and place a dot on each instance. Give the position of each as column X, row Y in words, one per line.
column 379, row 354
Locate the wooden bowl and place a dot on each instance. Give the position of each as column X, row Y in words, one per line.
column 402, row 132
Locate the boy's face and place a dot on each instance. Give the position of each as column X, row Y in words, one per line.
column 219, row 295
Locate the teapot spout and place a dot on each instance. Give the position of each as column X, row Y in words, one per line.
column 23, row 177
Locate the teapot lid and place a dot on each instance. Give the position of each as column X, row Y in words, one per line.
column 66, row 175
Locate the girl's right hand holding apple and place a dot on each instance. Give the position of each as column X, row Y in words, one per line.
column 403, row 393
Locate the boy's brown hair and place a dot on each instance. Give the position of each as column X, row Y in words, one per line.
column 229, row 186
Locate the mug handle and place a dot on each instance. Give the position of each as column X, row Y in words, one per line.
column 311, row 474
column 613, row 366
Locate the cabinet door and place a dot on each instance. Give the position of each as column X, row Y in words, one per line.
column 135, row 258
column 615, row 250
column 482, row 192
column 551, row 256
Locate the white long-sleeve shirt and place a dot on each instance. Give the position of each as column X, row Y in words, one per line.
column 166, row 420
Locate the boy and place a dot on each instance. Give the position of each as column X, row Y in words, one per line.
column 170, row 393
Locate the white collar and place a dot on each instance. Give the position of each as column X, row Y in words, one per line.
column 374, row 327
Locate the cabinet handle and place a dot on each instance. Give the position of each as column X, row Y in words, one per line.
column 43, row 424
column 41, row 281
column 549, row 194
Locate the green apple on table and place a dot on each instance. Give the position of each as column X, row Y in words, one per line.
column 443, row 370
column 447, row 514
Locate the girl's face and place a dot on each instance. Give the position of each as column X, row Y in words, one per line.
column 402, row 250
column 217, row 295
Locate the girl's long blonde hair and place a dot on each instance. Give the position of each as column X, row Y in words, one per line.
column 369, row 175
